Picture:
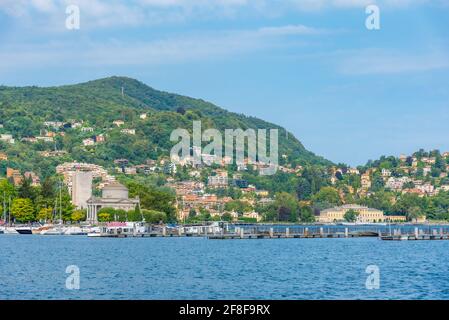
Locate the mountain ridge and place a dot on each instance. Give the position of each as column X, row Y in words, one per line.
column 98, row 102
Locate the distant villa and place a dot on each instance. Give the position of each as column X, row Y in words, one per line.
column 365, row 214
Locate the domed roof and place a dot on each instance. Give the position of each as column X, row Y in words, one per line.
column 115, row 186
column 115, row 190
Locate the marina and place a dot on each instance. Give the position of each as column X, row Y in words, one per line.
column 228, row 231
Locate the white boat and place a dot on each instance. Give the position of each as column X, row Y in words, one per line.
column 24, row 230
column 9, row 230
column 213, row 228
column 75, row 231
column 121, row 230
column 55, row 231
column 94, row 232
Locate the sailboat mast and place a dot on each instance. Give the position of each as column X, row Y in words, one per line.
column 4, row 206
column 9, row 211
column 60, row 202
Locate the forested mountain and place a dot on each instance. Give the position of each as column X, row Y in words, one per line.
column 23, row 111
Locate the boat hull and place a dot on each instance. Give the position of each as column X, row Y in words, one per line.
column 24, row 231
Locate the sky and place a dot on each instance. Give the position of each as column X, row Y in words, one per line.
column 348, row 93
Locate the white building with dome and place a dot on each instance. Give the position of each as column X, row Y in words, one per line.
column 114, row 195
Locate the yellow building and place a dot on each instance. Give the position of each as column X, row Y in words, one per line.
column 366, row 181
column 365, row 214
column 396, row 218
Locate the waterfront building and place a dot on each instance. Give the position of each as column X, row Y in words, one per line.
column 29, row 139
column 397, row 184
column 45, row 138
column 128, row 131
column 427, row 170
column 99, row 138
column 81, row 188
column 54, row 124
column 366, row 181
column 386, row 173
column 427, row 160
column 48, row 154
column 7, row 138
column 219, row 180
column 414, row 191
column 365, row 214
column 353, row 171
column 88, row 142
column 34, row 178
column 253, row 215
column 396, row 218
column 114, row 195
column 15, row 175
column 118, row 123
column 426, row 188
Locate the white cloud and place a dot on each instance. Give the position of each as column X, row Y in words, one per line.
column 147, row 12
column 377, row 61
column 177, row 49
column 291, row 30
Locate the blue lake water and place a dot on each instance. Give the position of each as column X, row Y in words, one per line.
column 33, row 267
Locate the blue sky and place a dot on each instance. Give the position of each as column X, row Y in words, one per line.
column 348, row 93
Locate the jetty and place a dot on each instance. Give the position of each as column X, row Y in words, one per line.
column 235, row 231
column 417, row 234
column 304, row 233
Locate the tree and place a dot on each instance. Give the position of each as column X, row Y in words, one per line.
column 287, row 207
column 153, row 216
column 78, row 215
column 414, row 213
column 45, row 214
column 26, row 190
column 7, row 189
column 327, row 195
column 351, row 215
column 104, row 217
column 304, row 189
column 377, row 183
column 154, row 198
column 48, row 189
column 306, row 214
column 22, row 210
column 192, row 213
column 381, row 200
column 239, row 206
column 226, row 217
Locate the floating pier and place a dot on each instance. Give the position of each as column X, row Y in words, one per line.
column 418, row 234
column 240, row 233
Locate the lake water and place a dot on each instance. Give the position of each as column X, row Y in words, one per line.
column 33, row 267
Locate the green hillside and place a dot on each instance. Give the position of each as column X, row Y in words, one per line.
column 98, row 103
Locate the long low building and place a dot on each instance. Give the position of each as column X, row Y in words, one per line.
column 365, row 214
